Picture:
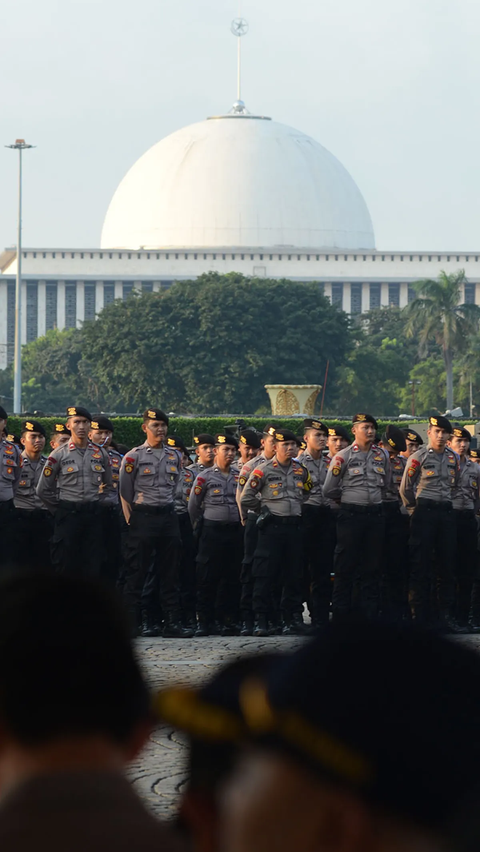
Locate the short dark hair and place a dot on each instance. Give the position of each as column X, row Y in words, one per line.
column 67, row 666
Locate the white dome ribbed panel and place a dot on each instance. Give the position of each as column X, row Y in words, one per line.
column 238, row 182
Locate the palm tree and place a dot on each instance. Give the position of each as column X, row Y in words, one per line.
column 436, row 314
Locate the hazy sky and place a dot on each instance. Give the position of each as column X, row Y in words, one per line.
column 390, row 88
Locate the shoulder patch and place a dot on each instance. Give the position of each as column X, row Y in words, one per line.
column 258, row 472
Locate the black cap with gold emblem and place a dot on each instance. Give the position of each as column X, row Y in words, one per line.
column 102, row 424
column 176, row 442
column 204, row 438
column 33, row 426
column 283, row 435
column 222, row 438
column 441, row 423
column 155, row 414
column 364, row 418
column 3, row 413
column 78, row 411
column 312, row 423
column 395, row 438
column 250, row 438
column 413, row 436
column 269, row 429
column 461, row 432
column 339, row 432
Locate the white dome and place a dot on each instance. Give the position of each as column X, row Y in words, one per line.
column 238, row 181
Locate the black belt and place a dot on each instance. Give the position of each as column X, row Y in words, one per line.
column 209, row 523
column 33, row 513
column 153, row 510
column 278, row 521
column 357, row 509
column 469, row 513
column 307, row 509
column 444, row 505
column 72, row 506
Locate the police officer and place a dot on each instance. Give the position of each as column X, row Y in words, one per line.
column 249, row 520
column 220, row 545
column 10, row 471
column 76, row 479
column 59, row 436
column 301, row 446
column 395, row 552
column 186, row 557
column 205, row 452
column 101, row 434
column 429, row 483
column 148, row 482
column 357, row 477
column 249, row 446
column 337, row 439
column 33, row 521
column 466, row 502
column 414, row 442
column 282, row 483
column 317, row 525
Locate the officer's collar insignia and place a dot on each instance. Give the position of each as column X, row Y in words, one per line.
column 71, row 445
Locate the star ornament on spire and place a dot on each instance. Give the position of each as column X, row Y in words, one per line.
column 239, row 27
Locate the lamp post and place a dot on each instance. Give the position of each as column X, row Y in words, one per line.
column 20, row 145
column 413, row 383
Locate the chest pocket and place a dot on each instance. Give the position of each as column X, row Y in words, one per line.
column 274, row 490
column 215, row 495
column 355, row 471
column 8, row 468
column 146, row 473
column 97, row 469
column 70, row 473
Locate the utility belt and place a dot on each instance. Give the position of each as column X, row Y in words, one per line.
column 315, row 510
column 91, row 508
column 443, row 505
column 33, row 513
column 357, row 509
column 231, row 524
column 153, row 510
column 465, row 513
column 267, row 518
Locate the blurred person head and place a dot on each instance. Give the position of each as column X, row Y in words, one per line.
column 155, row 426
column 367, row 738
column 249, row 445
column 439, row 432
column 338, row 439
column 315, row 434
column 212, row 720
column 101, row 431
column 414, row 442
column 59, row 436
column 460, row 441
column 364, row 428
column 33, row 438
column 205, row 449
column 72, row 697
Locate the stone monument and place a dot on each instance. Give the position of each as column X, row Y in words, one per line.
column 287, row 400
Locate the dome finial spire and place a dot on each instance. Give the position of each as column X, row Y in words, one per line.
column 239, row 28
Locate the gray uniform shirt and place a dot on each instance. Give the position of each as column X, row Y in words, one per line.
column 149, row 476
column 10, row 470
column 115, row 463
column 392, row 493
column 197, row 468
column 317, row 469
column 75, row 475
column 282, row 488
column 467, row 495
column 214, row 492
column 431, row 476
column 245, row 472
column 26, row 496
column 358, row 477
column 184, row 489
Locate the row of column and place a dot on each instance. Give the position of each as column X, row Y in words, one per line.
column 384, row 295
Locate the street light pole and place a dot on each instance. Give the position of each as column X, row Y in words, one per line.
column 20, row 145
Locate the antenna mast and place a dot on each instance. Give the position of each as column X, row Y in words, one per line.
column 239, row 28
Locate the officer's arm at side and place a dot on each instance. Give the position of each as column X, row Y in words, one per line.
column 335, row 474
column 47, row 484
column 17, row 472
column 197, row 496
column 410, row 477
column 127, row 483
column 253, row 486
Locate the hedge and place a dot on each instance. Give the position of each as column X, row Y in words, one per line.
column 128, row 429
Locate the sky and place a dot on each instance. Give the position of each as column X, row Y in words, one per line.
column 390, row 88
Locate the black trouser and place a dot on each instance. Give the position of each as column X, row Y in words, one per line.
column 466, row 562
column 112, row 543
column 318, row 537
column 77, row 543
column 433, row 542
column 250, row 539
column 33, row 532
column 7, row 546
column 475, row 607
column 186, row 564
column 278, row 562
column 218, row 571
column 395, row 563
column 152, row 542
column 358, row 555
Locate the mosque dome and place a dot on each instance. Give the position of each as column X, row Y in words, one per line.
column 238, row 181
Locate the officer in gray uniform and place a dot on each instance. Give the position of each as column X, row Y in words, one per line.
column 466, row 503
column 358, row 477
column 76, row 479
column 220, row 545
column 101, row 434
column 283, row 484
column 205, row 452
column 10, row 471
column 249, row 446
column 428, row 487
column 148, row 484
column 394, row 583
column 33, row 521
column 186, row 557
column 316, row 526
column 249, row 520
column 59, row 436
column 413, row 440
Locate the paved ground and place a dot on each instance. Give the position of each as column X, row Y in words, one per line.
column 159, row 774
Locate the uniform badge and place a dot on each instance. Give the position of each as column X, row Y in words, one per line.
column 257, row 472
column 96, row 455
column 254, row 483
column 47, row 471
column 430, row 473
column 70, row 469
column 173, row 469
column 335, row 471
column 128, row 468
column 9, row 451
column 474, row 484
column 242, row 481
column 147, row 470
column 217, row 491
column 411, row 471
column 97, row 467
column 198, row 489
column 23, row 483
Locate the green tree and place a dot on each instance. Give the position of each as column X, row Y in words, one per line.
column 429, row 377
column 436, row 314
column 50, row 372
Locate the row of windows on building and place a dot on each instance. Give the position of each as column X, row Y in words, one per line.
column 128, row 255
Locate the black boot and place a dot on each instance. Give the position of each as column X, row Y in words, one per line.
column 173, row 628
column 202, row 627
column 134, row 621
column 260, row 627
column 189, row 621
column 293, row 625
column 246, row 628
column 150, row 626
column 229, row 627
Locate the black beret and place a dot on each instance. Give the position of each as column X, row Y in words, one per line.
column 14, row 439
column 78, row 411
column 395, row 438
column 461, row 432
column 269, row 429
column 312, row 423
column 474, row 454
column 442, row 423
column 33, row 426
column 221, row 438
column 204, row 438
column 155, row 414
column 426, row 770
column 339, row 432
column 301, row 443
column 283, row 435
column 3, row 413
column 250, row 438
column 61, row 429
column 101, row 423
column 176, row 442
column 412, row 436
column 364, row 418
